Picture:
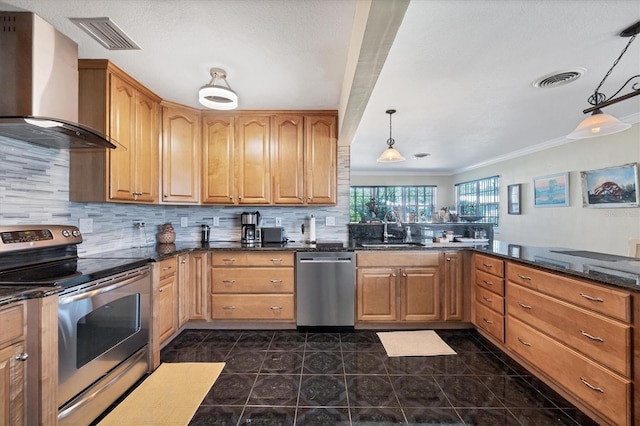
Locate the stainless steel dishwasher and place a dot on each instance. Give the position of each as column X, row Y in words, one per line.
column 325, row 289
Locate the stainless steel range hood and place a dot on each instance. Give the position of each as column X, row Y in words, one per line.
column 39, row 85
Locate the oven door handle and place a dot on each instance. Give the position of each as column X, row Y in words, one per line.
column 104, row 288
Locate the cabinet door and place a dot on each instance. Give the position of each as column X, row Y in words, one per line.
column 122, row 129
column 146, row 149
column 376, row 294
column 198, row 286
column 420, row 294
column 12, row 386
column 320, row 159
column 180, row 155
column 253, row 160
column 183, row 289
column 287, row 156
column 453, row 287
column 167, row 307
column 218, row 167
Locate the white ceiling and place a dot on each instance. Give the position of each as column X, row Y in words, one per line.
column 459, row 73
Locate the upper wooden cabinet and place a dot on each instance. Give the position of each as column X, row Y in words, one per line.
column 180, row 160
column 115, row 104
column 278, row 158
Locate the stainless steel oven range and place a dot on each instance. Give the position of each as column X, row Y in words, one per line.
column 104, row 314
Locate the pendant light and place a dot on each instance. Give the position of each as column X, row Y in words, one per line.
column 599, row 123
column 390, row 155
column 215, row 96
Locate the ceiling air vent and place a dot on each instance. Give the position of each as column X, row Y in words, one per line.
column 559, row 78
column 106, row 32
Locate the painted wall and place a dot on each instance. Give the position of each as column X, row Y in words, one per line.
column 34, row 189
column 604, row 229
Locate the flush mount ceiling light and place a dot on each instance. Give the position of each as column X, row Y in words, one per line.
column 390, row 155
column 598, row 123
column 216, row 96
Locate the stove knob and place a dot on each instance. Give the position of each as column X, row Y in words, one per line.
column 66, row 233
column 76, row 233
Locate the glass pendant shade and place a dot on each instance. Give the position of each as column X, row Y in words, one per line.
column 390, row 155
column 598, row 124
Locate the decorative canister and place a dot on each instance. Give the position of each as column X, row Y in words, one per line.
column 166, row 248
column 166, row 237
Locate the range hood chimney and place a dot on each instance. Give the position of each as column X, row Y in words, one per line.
column 39, row 85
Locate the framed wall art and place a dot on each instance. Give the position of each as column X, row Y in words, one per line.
column 513, row 199
column 610, row 187
column 551, row 190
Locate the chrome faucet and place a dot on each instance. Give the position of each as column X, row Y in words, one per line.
column 385, row 234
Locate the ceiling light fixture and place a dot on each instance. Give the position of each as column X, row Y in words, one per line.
column 214, row 95
column 600, row 124
column 390, row 155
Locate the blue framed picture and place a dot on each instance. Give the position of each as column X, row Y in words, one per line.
column 551, row 190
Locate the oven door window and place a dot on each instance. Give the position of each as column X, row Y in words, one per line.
column 106, row 327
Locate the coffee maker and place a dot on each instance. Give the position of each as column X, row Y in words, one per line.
column 249, row 231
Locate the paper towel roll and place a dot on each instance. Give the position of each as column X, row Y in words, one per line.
column 312, row 229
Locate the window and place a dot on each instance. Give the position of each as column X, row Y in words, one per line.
column 414, row 203
column 479, row 198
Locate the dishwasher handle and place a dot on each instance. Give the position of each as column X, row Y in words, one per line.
column 325, row 260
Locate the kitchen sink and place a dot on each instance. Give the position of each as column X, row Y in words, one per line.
column 391, row 245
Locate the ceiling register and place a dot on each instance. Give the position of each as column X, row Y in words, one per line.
column 599, row 123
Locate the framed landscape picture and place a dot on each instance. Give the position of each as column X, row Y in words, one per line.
column 611, row 187
column 551, row 190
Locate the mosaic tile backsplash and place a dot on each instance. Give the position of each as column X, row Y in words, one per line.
column 34, row 189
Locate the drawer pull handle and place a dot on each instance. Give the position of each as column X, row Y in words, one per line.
column 524, row 342
column 230, row 307
column 166, row 268
column 524, row 306
column 584, row 333
column 487, row 265
column 486, row 299
column 276, row 281
column 276, row 308
column 228, row 281
column 524, row 277
column 22, row 357
column 487, row 321
column 590, row 386
column 276, row 260
column 489, row 283
column 593, row 299
column 229, row 260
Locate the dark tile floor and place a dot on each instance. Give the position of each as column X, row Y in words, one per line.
column 303, row 378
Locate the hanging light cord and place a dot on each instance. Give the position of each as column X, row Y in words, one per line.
column 390, row 141
column 597, row 97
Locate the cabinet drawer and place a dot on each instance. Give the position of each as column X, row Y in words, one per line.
column 600, row 338
column 240, row 258
column 491, row 265
column 397, row 259
column 252, row 307
column 607, row 392
column 490, row 321
column 252, row 280
column 12, row 319
column 613, row 303
column 490, row 282
column 490, row 300
column 168, row 266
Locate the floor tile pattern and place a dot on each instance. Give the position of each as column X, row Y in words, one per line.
column 285, row 377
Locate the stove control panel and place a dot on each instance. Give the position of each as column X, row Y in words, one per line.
column 20, row 237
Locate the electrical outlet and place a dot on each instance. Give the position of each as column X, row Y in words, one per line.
column 85, row 225
column 184, row 222
column 278, row 221
column 216, row 221
column 330, row 221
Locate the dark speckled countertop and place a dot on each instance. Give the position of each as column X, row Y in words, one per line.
column 618, row 271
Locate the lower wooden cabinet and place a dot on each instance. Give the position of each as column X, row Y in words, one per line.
column 248, row 286
column 198, row 288
column 183, row 289
column 13, row 383
column 167, row 300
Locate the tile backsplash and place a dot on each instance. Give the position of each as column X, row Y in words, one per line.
column 34, row 189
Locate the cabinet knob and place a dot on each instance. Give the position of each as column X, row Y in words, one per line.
column 393, row 275
column 22, row 357
column 448, row 259
column 183, row 261
column 404, row 274
column 160, row 290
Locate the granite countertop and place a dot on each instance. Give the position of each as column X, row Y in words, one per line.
column 619, row 271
